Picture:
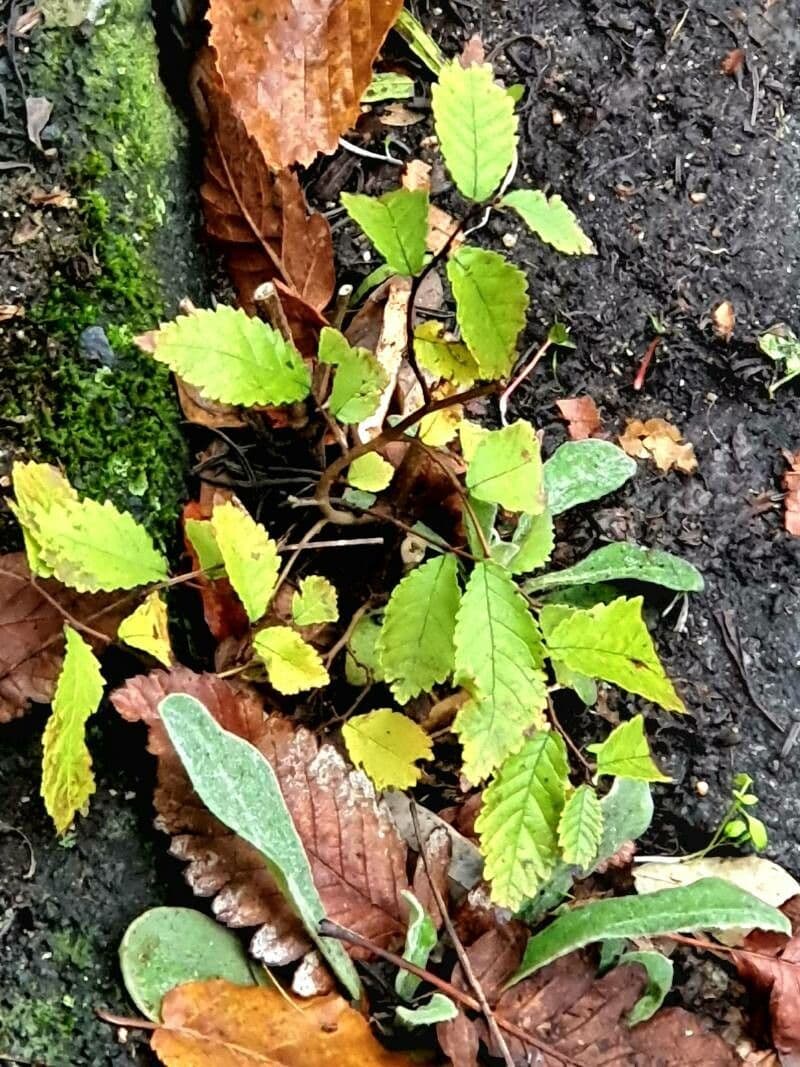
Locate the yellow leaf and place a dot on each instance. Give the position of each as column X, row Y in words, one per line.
column 370, row 472
column 67, row 779
column 386, row 745
column 250, row 556
column 292, row 664
column 218, row 1024
column 146, row 629
column 442, row 426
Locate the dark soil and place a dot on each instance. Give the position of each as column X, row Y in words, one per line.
column 648, row 120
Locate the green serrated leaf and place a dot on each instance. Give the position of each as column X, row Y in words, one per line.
column 166, row 947
column 518, row 822
column 396, row 223
column 86, row 545
column 535, row 540
column 444, row 358
column 232, row 357
column 625, row 753
column 420, row 41
column 476, row 127
column 491, row 303
column 292, row 664
column 421, row 938
column 359, row 380
column 416, row 643
column 506, row 469
column 659, row 982
column 315, row 601
column 239, row 787
column 67, row 779
column 612, row 642
column 551, row 220
column 388, row 86
column 201, row 537
column 580, row 828
column 549, row 617
column 580, row 471
column 250, row 556
column 386, row 745
column 439, row 1009
column 783, row 346
column 370, row 472
column 708, row 904
column 625, row 561
column 362, row 663
column 498, row 659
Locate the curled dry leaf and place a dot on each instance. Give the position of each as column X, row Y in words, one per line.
column 218, row 1024
column 28, row 671
column 296, row 72
column 389, row 352
column 581, row 416
column 357, row 858
column 259, row 217
column 204, row 412
column 723, row 320
column 791, row 502
column 580, row 1015
column 660, row 442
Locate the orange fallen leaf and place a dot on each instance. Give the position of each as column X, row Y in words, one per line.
column 791, row 503
column 660, row 442
column 217, row 1024
column 295, row 73
column 581, row 416
column 733, row 62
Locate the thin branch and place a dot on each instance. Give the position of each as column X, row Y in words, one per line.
column 528, row 369
column 301, row 545
column 461, row 952
column 348, row 633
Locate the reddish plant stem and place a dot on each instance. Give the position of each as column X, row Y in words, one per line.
column 644, row 365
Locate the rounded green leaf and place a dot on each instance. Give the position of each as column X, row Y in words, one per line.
column 551, row 220
column 292, row 664
column 580, row 471
column 166, row 947
column 625, row 561
column 370, row 472
column 506, row 469
column 396, row 223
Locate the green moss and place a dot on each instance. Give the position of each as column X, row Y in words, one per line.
column 72, row 949
column 116, row 429
column 38, row 1030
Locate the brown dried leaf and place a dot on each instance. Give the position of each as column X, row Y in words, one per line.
column 581, row 415
column 399, row 115
column 201, row 411
column 296, row 72
column 582, row 1016
column 791, row 502
column 259, row 217
column 38, row 110
column 357, row 858
column 660, row 442
column 389, row 352
column 28, row 672
column 57, row 197
column 10, row 311
column 473, row 54
column 27, row 229
column 723, row 320
column 733, row 62
column 217, row 1024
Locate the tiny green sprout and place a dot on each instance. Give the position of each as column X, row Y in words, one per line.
column 559, row 335
column 738, row 826
column 658, row 325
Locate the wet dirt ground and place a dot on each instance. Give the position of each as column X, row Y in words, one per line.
column 688, row 181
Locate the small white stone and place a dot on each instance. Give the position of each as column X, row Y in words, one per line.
column 509, row 239
column 366, row 255
column 557, row 117
column 701, row 788
column 591, row 197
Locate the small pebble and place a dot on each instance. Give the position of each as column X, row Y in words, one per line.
column 557, row 117
column 591, row 197
column 701, row 788
column 509, row 239
column 698, row 198
column 366, row 255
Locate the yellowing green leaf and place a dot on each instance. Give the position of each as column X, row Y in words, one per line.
column 250, row 556
column 476, row 127
column 612, row 642
column 315, row 601
column 498, row 660
column 292, row 664
column 625, row 753
column 86, row 545
column 67, row 779
column 386, row 745
column 232, row 357
column 445, row 358
column 388, row 86
column 551, row 220
column 396, row 223
column 201, row 536
column 359, row 380
column 535, row 541
column 416, row 642
column 370, row 472
column 506, row 469
column 362, row 663
column 491, row 303
column 580, row 828
column 470, row 435
column 518, row 823
column 146, row 629
column 440, row 427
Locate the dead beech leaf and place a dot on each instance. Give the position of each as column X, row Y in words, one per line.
column 581, row 416
column 38, row 110
column 201, row 411
column 28, row 672
column 389, row 352
column 723, row 320
column 580, row 1015
column 791, row 502
column 296, row 72
column 57, row 197
column 357, row 858
column 733, row 62
column 397, row 114
column 10, row 311
column 259, row 217
column 661, row 442
column 473, row 54
column 218, row 1024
